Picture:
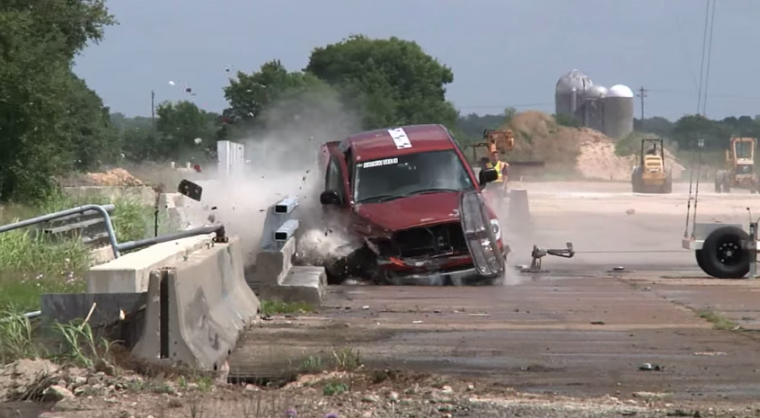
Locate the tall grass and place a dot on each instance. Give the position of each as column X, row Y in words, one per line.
column 73, row 343
column 31, row 265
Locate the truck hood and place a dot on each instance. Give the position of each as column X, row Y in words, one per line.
column 412, row 211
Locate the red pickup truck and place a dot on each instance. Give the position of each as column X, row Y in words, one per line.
column 409, row 194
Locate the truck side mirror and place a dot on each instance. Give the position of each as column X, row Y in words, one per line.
column 487, row 175
column 329, row 197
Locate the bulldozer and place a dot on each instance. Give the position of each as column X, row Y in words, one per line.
column 651, row 175
column 740, row 167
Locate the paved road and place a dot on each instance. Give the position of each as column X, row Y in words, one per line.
column 578, row 330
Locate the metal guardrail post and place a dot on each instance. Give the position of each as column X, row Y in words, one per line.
column 752, row 247
column 103, row 210
column 280, row 224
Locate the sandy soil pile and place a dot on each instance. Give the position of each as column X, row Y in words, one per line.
column 116, row 177
column 539, row 138
column 584, row 151
column 597, row 159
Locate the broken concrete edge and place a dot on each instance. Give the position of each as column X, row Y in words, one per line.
column 276, row 278
column 304, row 284
column 196, row 309
column 129, row 273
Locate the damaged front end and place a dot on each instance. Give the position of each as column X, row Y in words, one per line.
column 466, row 251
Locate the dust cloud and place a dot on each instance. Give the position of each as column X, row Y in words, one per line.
column 282, row 161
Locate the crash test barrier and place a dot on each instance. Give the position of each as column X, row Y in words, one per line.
column 274, row 277
column 190, row 310
column 519, row 209
column 196, row 309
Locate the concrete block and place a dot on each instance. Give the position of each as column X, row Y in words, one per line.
column 273, row 266
column 519, row 209
column 129, row 273
column 302, row 284
column 68, row 307
column 101, row 255
column 197, row 308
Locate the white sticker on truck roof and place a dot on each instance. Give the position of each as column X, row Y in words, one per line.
column 399, row 137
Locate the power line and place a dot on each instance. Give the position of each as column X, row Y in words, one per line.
column 709, row 58
column 642, row 94
column 702, row 64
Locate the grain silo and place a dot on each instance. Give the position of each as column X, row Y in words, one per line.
column 618, row 111
column 593, row 108
column 570, row 94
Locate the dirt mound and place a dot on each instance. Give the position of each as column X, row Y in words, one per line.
column 580, row 151
column 538, row 137
column 116, row 177
column 597, row 159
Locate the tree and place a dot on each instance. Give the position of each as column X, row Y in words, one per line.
column 273, row 98
column 393, row 81
column 184, row 130
column 689, row 129
column 93, row 139
column 42, row 133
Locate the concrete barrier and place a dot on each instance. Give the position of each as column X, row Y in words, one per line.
column 274, row 277
column 519, row 209
column 130, row 272
column 196, row 308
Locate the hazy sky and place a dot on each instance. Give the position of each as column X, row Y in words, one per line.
column 503, row 52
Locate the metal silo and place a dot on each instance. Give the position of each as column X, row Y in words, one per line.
column 570, row 94
column 593, row 108
column 618, row 111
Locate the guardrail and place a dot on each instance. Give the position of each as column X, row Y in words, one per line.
column 88, row 226
column 280, row 224
column 117, row 248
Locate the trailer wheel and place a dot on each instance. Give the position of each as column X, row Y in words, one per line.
column 722, row 254
column 700, row 256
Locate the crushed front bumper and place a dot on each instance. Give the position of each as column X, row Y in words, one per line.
column 455, row 270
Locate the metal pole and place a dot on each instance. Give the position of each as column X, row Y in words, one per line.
column 752, row 249
column 103, row 210
column 133, row 245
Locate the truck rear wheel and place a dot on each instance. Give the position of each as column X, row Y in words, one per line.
column 723, row 256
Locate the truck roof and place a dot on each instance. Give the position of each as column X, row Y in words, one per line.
column 391, row 142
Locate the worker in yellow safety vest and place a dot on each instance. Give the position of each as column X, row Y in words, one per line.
column 499, row 186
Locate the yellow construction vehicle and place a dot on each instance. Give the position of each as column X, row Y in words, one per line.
column 740, row 167
column 651, row 175
column 501, row 141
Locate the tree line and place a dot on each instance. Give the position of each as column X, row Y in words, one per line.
column 52, row 123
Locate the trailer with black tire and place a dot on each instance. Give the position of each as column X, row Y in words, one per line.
column 723, row 251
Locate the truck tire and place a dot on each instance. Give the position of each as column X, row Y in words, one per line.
column 700, row 256
column 667, row 188
column 718, row 182
column 636, row 180
column 722, row 255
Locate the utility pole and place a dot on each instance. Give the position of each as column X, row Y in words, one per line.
column 642, row 94
column 153, row 110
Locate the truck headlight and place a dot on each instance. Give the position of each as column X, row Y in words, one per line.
column 496, row 228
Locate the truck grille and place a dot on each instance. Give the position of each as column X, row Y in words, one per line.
column 425, row 241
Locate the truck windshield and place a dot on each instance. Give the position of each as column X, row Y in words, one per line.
column 426, row 172
column 743, row 149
